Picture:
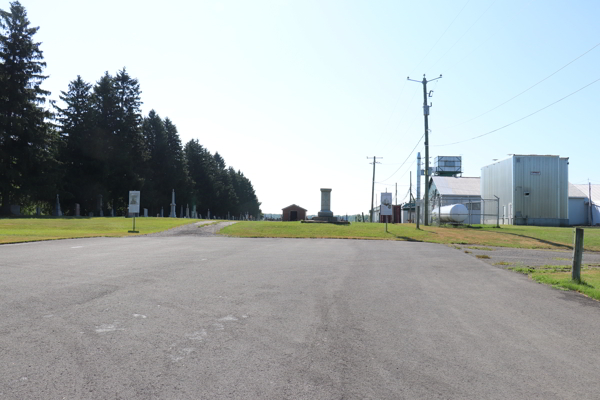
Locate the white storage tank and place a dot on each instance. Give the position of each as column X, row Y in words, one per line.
column 452, row 214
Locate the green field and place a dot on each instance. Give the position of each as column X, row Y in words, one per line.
column 528, row 237
column 560, row 278
column 14, row 230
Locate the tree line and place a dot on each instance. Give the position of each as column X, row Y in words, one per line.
column 97, row 143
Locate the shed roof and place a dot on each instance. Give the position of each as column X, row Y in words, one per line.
column 586, row 190
column 293, row 206
column 464, row 186
column 575, row 192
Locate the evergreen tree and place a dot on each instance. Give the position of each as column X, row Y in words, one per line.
column 128, row 154
column 27, row 141
column 176, row 164
column 156, row 190
column 83, row 156
column 201, row 167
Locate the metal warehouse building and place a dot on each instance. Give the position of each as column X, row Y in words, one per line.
column 532, row 189
column 454, row 190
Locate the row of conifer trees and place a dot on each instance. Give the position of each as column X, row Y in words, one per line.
column 95, row 142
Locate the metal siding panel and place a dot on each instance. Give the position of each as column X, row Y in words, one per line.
column 564, row 182
column 496, row 179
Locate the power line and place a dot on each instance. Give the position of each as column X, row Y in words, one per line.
column 440, row 38
column 529, row 88
column 413, row 150
column 463, row 35
column 520, row 119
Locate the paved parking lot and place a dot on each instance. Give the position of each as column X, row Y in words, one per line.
column 194, row 317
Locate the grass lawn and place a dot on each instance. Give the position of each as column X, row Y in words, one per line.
column 14, row 230
column 529, row 237
column 560, row 278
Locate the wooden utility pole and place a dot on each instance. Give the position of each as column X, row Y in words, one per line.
column 577, row 255
column 426, row 115
column 373, row 186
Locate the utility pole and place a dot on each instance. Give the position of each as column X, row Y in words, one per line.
column 396, row 193
column 373, row 186
column 410, row 197
column 426, row 115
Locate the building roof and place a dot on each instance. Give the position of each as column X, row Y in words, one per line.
column 586, row 190
column 576, row 192
column 524, row 155
column 295, row 206
column 450, row 185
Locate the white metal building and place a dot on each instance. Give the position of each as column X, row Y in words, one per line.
column 533, row 189
column 455, row 190
column 578, row 202
column 588, row 211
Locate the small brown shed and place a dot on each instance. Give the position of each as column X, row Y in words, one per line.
column 293, row 213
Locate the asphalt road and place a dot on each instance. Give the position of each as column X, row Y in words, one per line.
column 191, row 317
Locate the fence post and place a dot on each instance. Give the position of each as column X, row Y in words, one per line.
column 577, row 255
column 439, row 210
column 418, row 215
column 470, row 208
column 497, row 211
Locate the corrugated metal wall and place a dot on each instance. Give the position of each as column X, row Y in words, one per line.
column 496, row 179
column 533, row 189
column 564, row 190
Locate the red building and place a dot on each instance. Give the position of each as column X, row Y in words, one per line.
column 293, row 213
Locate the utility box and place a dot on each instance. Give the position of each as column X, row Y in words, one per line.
column 533, row 190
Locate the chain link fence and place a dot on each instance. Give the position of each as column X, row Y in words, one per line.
column 476, row 211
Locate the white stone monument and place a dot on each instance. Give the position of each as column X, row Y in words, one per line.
column 173, row 215
column 325, row 204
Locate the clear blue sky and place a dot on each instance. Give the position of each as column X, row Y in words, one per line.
column 297, row 94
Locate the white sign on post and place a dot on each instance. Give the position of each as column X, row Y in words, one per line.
column 386, row 204
column 134, row 201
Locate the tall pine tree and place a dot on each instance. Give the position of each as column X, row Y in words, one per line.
column 82, row 155
column 27, row 141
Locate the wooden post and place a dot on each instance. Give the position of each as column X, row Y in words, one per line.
column 577, row 255
column 418, row 215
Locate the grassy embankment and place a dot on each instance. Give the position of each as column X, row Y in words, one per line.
column 15, row 230
column 560, row 278
column 528, row 237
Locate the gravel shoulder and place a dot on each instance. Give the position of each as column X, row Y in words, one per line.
column 202, row 228
column 505, row 257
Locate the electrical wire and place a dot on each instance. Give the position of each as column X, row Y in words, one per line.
column 520, row 119
column 463, row 35
column 440, row 38
column 530, row 87
column 413, row 150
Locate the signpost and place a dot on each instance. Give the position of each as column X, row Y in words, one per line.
column 386, row 207
column 134, row 206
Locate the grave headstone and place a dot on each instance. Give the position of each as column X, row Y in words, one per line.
column 194, row 212
column 99, row 206
column 91, row 214
column 173, row 214
column 77, row 210
column 181, row 212
column 57, row 212
column 145, row 212
column 162, row 212
column 187, row 210
column 38, row 211
column 15, row 209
